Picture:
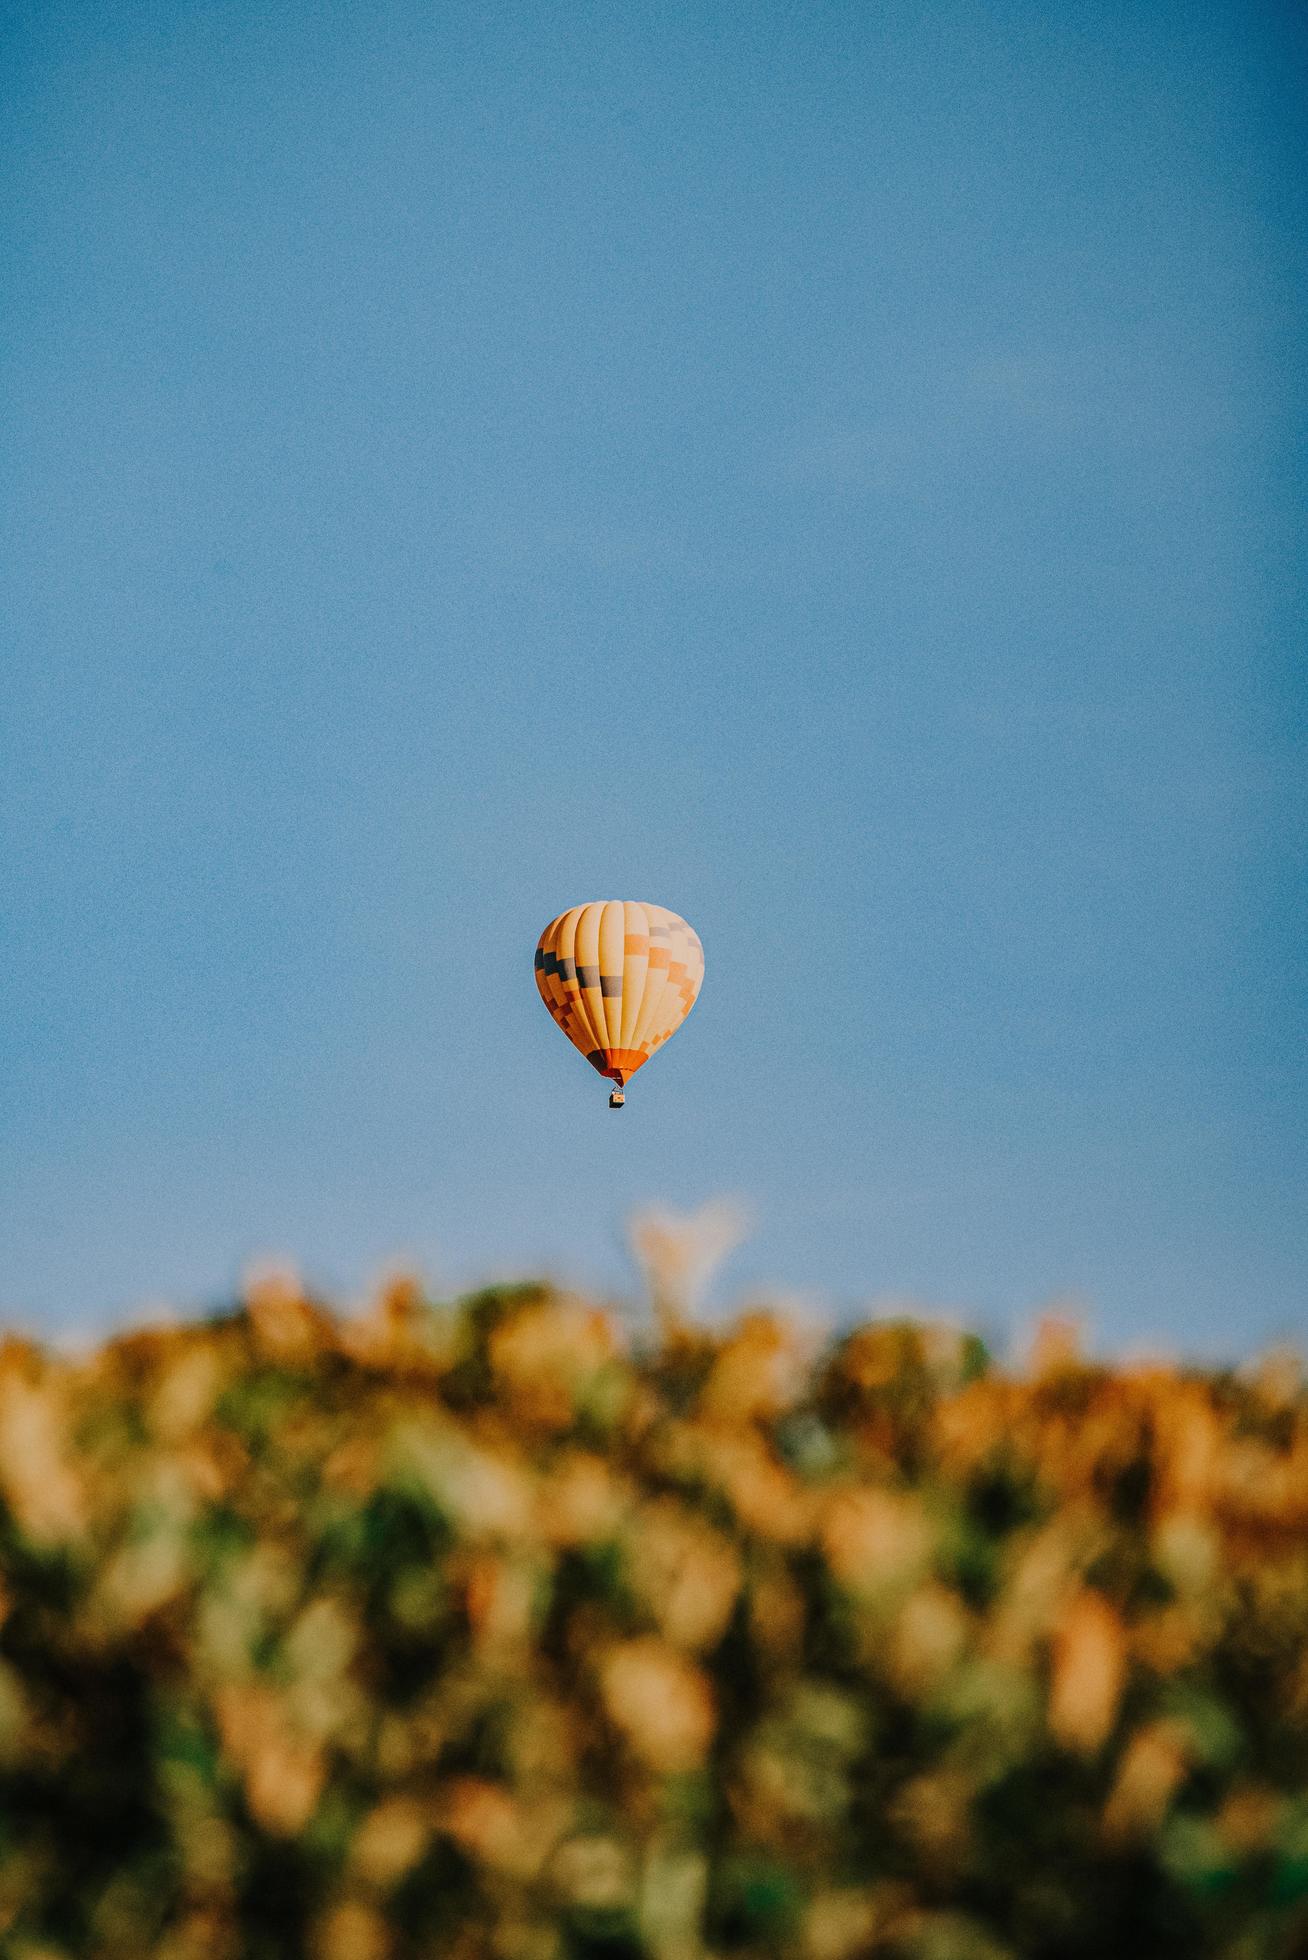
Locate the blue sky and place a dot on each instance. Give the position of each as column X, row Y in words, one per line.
column 836, row 471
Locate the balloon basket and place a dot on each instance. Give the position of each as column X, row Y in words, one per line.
column 617, row 1099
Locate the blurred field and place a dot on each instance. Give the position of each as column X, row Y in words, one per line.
column 483, row 1631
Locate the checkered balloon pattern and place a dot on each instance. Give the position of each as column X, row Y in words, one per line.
column 619, row 977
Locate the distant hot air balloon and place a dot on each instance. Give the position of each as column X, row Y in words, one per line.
column 619, row 978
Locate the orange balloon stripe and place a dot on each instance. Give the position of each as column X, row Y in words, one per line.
column 635, row 971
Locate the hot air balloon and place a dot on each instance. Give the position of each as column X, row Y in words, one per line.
column 619, row 977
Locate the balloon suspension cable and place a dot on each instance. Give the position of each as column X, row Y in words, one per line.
column 617, row 1099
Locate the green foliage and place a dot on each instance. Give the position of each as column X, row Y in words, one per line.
column 475, row 1632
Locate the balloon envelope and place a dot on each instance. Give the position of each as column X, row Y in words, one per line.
column 619, row 977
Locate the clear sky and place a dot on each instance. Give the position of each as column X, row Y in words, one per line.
column 836, row 471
